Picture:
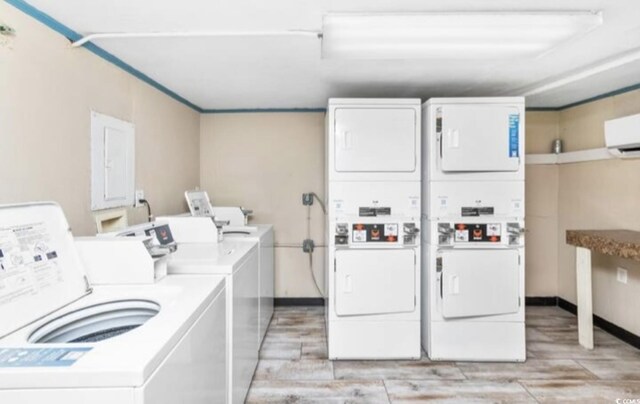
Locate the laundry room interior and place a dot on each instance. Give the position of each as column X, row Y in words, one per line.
column 319, row 202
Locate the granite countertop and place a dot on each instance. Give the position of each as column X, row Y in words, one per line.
column 619, row 243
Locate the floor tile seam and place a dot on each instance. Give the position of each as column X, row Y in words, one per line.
column 457, row 366
column 526, row 389
column 517, row 379
column 408, row 378
column 277, row 379
column 588, row 371
column 384, row 384
column 300, row 360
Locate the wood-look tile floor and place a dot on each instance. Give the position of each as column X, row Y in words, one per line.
column 293, row 368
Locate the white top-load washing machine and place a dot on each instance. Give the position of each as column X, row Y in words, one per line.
column 263, row 235
column 238, row 262
column 64, row 340
column 234, row 222
column 373, row 254
column 473, row 229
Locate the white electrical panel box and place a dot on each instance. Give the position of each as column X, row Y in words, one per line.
column 112, row 162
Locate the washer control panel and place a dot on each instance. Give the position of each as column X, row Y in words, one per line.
column 161, row 241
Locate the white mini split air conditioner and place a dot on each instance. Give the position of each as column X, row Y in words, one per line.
column 622, row 136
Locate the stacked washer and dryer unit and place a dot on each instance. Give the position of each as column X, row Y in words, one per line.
column 373, row 254
column 473, row 229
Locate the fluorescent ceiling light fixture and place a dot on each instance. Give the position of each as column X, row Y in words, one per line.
column 443, row 36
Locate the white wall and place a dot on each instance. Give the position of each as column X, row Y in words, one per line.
column 599, row 195
column 541, row 205
column 47, row 91
column 265, row 161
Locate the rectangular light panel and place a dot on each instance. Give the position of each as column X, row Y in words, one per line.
column 442, row 36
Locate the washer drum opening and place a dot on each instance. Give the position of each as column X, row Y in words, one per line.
column 96, row 323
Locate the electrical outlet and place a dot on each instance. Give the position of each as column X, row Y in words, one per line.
column 622, row 275
column 138, row 196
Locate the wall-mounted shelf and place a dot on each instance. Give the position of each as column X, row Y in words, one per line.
column 569, row 157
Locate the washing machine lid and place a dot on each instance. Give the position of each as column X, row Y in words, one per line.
column 209, row 258
column 40, row 271
column 252, row 231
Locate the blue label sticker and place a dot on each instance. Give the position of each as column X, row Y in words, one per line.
column 40, row 357
column 514, row 135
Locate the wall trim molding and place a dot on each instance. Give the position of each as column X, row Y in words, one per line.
column 542, row 109
column 531, row 301
column 598, row 97
column 319, row 301
column 261, row 110
column 613, row 93
column 73, row 36
column 541, row 300
column 617, row 331
column 298, row 301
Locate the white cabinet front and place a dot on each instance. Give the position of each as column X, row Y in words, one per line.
column 375, row 140
column 477, row 138
column 375, row 281
column 479, row 282
column 267, row 283
column 245, row 343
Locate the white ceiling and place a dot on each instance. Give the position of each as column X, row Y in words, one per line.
column 288, row 72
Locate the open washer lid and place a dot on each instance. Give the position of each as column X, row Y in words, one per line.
column 40, row 271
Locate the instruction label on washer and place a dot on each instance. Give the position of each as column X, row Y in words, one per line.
column 28, row 261
column 40, row 357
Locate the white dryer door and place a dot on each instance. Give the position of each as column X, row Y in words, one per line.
column 479, row 138
column 479, row 282
column 375, row 281
column 375, row 140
